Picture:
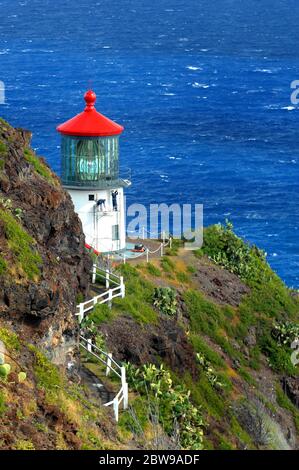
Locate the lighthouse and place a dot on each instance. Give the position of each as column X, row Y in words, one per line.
column 90, row 173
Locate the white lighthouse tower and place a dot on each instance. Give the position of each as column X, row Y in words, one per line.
column 90, row 173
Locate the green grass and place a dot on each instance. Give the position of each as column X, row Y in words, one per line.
column 39, row 166
column 139, row 295
column 201, row 346
column 3, row 149
column 47, row 374
column 167, row 264
column 153, row 270
column 3, row 265
column 238, row 431
column 204, row 395
column 3, row 406
column 183, row 277
column 21, row 245
column 10, row 339
column 246, row 376
column 4, row 123
column 101, row 314
column 3, row 154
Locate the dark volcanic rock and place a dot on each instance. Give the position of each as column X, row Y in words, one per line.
column 291, row 388
column 141, row 344
column 41, row 309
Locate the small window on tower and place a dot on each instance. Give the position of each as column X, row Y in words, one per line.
column 115, row 232
column 91, row 197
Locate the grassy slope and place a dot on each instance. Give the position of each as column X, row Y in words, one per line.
column 47, row 411
column 218, row 333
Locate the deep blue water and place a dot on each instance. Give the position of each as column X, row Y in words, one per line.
column 202, row 88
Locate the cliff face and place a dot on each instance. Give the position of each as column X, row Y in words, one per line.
column 43, row 265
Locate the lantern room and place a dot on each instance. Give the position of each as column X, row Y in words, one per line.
column 90, row 173
column 89, row 148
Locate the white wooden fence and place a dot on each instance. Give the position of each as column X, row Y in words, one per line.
column 106, row 297
column 110, row 279
column 111, row 366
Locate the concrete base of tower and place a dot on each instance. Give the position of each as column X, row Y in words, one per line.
column 102, row 213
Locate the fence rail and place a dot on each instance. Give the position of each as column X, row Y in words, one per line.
column 106, row 297
column 102, row 356
column 111, row 365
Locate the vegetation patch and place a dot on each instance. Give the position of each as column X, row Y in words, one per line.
column 39, row 166
column 173, row 402
column 165, row 300
column 138, row 301
column 10, row 339
column 21, row 245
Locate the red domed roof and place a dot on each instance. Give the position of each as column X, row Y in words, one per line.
column 90, row 123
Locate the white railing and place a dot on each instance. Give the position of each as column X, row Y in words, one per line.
column 105, row 297
column 147, row 252
column 106, row 358
column 111, row 365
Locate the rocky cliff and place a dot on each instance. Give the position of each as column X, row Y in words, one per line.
column 43, row 265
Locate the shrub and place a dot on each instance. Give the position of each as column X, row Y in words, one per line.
column 225, row 248
column 173, row 402
column 23, row 444
column 165, row 300
column 285, row 333
column 209, row 371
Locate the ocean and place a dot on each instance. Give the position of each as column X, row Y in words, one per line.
column 202, row 88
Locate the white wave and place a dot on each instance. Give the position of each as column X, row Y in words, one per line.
column 289, row 108
column 168, row 94
column 263, row 70
column 192, row 67
column 200, row 85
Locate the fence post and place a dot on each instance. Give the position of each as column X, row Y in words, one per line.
column 122, row 287
column 94, row 273
column 126, row 396
column 89, row 345
column 124, row 386
column 81, row 312
column 109, row 298
column 108, row 364
column 115, row 408
column 124, row 259
column 147, row 255
column 170, row 241
column 107, row 279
